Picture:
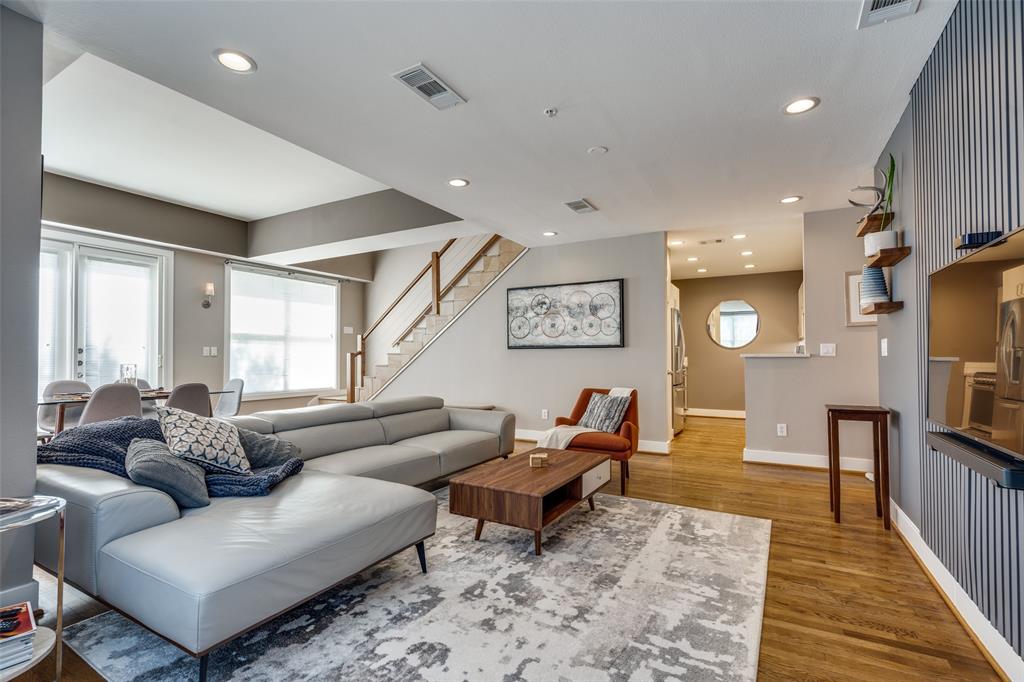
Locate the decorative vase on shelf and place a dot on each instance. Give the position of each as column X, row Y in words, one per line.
column 876, row 241
column 873, row 288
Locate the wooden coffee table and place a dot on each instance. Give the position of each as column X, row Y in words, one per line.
column 512, row 493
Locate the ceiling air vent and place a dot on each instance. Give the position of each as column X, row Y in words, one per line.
column 581, row 206
column 876, row 12
column 424, row 83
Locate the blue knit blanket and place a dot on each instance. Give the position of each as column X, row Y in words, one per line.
column 104, row 445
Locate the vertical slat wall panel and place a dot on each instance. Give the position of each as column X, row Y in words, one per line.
column 968, row 119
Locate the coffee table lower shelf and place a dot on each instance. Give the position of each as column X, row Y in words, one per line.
column 512, row 494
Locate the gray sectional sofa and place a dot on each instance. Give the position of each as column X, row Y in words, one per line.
column 200, row 577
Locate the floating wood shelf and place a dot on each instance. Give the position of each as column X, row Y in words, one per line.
column 876, row 222
column 882, row 308
column 886, row 258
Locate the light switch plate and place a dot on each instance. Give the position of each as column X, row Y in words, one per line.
column 206, row 351
column 543, row 414
column 827, row 350
column 885, row 347
column 346, row 330
column 213, row 351
column 781, row 430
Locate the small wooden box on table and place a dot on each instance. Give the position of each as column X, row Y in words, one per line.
column 879, row 418
column 513, row 493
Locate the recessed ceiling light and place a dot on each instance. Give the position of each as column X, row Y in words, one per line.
column 739, row 236
column 549, row 233
column 692, row 259
column 235, row 61
column 749, row 266
column 702, row 270
column 458, row 182
column 597, row 151
column 790, row 200
column 676, row 242
column 802, row 105
column 746, row 253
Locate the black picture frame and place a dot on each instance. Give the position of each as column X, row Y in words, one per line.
column 534, row 316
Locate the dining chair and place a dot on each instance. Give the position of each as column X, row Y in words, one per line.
column 193, row 398
column 46, row 415
column 111, row 401
column 230, row 403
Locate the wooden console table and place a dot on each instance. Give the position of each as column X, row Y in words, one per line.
column 879, row 418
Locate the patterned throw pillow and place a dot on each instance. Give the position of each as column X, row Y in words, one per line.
column 605, row 412
column 211, row 443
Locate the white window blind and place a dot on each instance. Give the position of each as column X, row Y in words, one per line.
column 283, row 331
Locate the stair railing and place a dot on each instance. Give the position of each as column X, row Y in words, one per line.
column 354, row 362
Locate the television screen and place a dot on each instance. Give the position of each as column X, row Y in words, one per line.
column 976, row 345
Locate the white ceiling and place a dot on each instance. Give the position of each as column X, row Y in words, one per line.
column 105, row 124
column 686, row 95
column 777, row 247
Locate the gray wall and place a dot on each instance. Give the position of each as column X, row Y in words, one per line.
column 470, row 362
column 714, row 377
column 21, row 80
column 363, row 216
column 85, row 204
column 359, row 266
column 959, row 149
column 795, row 391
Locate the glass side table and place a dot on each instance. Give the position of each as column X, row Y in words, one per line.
column 40, row 508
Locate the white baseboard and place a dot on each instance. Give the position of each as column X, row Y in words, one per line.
column 727, row 414
column 656, row 446
column 994, row 644
column 802, row 459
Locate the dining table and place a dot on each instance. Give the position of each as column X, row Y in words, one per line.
column 63, row 400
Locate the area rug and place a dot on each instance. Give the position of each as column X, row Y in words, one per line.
column 635, row 590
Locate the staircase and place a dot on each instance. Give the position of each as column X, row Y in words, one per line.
column 477, row 267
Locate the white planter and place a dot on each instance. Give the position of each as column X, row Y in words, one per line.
column 886, row 239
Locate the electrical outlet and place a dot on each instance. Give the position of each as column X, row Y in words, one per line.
column 827, row 350
column 885, row 347
column 544, row 414
column 213, row 351
column 206, row 351
column 781, row 430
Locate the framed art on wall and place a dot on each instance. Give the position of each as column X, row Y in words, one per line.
column 572, row 315
column 854, row 318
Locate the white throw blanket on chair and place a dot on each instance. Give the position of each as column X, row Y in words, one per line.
column 559, row 437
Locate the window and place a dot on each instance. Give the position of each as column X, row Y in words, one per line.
column 283, row 331
column 100, row 307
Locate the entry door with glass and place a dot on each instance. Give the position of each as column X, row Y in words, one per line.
column 112, row 301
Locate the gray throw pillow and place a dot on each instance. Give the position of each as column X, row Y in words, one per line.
column 605, row 412
column 211, row 443
column 150, row 462
column 266, row 451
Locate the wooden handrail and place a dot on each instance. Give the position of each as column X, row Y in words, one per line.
column 451, row 285
column 406, row 290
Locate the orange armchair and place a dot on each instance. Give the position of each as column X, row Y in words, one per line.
column 620, row 446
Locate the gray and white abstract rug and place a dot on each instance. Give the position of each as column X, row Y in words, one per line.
column 635, row 590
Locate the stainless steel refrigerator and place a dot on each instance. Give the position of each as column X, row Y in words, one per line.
column 678, row 372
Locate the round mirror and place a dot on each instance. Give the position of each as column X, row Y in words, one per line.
column 733, row 324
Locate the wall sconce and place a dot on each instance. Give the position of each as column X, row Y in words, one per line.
column 209, row 294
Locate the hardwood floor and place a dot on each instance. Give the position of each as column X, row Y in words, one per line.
column 844, row 602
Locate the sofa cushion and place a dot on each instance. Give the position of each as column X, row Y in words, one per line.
column 408, row 424
column 317, row 441
column 314, row 415
column 457, row 449
column 150, row 462
column 397, row 463
column 384, row 408
column 248, row 421
column 259, row 556
column 211, row 443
